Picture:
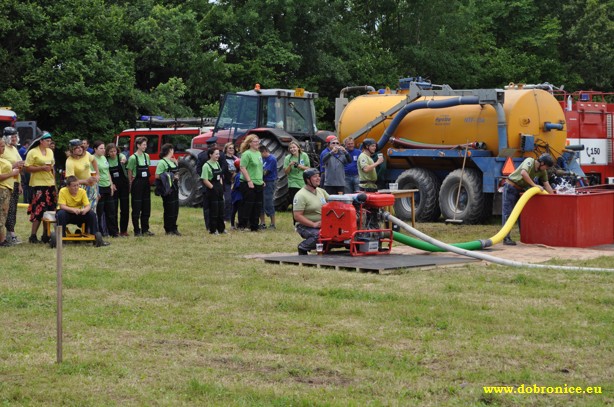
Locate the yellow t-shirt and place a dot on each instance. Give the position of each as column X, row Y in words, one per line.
column 5, row 168
column 78, row 201
column 79, row 167
column 11, row 154
column 36, row 158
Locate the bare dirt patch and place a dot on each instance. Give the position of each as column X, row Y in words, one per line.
column 529, row 253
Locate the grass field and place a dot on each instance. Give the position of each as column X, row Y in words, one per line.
column 191, row 321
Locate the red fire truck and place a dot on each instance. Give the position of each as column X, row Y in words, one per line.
column 589, row 116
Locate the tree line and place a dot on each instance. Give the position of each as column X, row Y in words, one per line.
column 89, row 68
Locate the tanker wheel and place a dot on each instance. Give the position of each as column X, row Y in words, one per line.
column 190, row 193
column 427, row 205
column 471, row 202
column 278, row 151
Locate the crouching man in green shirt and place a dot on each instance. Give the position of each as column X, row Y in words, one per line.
column 307, row 208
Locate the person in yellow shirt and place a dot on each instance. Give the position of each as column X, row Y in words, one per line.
column 11, row 154
column 75, row 208
column 39, row 163
column 83, row 165
column 7, row 172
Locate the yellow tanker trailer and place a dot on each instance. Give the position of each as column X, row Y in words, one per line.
column 425, row 134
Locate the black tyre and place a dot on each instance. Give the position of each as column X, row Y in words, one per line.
column 190, row 193
column 471, row 201
column 426, row 199
column 281, row 191
column 52, row 242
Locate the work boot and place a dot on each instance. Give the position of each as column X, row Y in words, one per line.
column 302, row 252
column 33, row 239
column 508, row 241
column 99, row 241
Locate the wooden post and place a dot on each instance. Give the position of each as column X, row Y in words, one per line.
column 58, row 254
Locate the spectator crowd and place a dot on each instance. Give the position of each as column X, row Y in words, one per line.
column 105, row 188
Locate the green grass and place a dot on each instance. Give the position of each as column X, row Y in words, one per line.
column 192, row 321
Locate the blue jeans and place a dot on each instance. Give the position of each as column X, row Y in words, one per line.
column 311, row 236
column 268, row 203
column 511, row 196
column 351, row 184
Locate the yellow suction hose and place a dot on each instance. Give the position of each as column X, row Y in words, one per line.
column 483, row 256
column 511, row 221
column 475, row 244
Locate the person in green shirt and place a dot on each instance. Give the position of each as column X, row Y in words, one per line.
column 295, row 163
column 168, row 163
column 138, row 178
column 522, row 179
column 105, row 210
column 252, row 183
column 213, row 180
column 366, row 166
column 119, row 177
column 307, row 210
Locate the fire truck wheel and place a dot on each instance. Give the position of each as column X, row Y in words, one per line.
column 190, row 193
column 426, row 200
column 471, row 201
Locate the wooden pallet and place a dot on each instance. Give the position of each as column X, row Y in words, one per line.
column 370, row 264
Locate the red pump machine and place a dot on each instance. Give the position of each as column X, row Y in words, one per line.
column 354, row 222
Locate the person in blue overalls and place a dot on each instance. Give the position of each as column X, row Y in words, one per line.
column 138, row 177
column 170, row 202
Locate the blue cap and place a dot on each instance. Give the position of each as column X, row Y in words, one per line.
column 212, row 140
column 46, row 135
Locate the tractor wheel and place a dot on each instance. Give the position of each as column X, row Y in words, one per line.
column 281, row 191
column 190, row 193
column 471, row 201
column 52, row 242
column 427, row 206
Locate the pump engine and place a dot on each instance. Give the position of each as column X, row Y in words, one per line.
column 354, row 222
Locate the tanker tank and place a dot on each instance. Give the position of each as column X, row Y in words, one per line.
column 436, row 130
column 526, row 111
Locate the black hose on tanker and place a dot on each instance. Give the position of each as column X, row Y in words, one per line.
column 423, row 104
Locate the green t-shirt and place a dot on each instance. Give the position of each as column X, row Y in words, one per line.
column 207, row 173
column 132, row 162
column 295, row 176
column 252, row 161
column 164, row 166
column 310, row 203
column 114, row 162
column 369, row 178
column 529, row 166
column 103, row 171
